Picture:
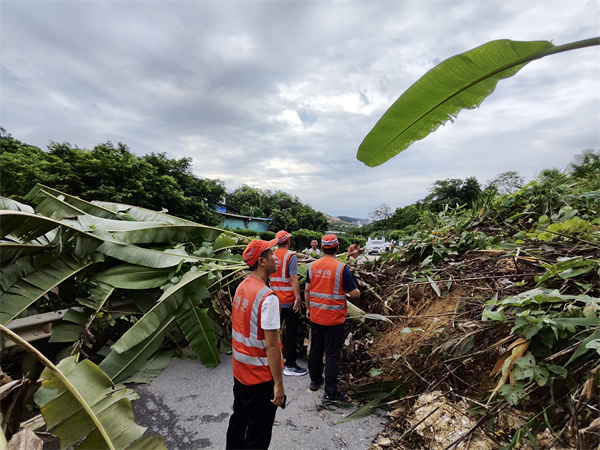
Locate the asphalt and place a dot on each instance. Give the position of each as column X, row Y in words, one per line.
column 189, row 405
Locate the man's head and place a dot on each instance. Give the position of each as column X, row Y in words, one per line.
column 356, row 243
column 283, row 239
column 314, row 243
column 258, row 255
column 330, row 244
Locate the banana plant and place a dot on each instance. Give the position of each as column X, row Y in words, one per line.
column 112, row 251
column 461, row 82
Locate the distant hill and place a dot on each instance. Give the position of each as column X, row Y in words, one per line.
column 343, row 223
column 352, row 219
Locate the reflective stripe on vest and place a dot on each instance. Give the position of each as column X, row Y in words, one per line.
column 327, row 295
column 250, row 364
column 280, row 281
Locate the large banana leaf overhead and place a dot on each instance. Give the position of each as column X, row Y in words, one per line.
column 460, row 82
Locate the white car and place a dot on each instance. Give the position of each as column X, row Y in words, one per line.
column 375, row 246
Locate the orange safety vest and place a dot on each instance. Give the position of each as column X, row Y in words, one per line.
column 280, row 281
column 327, row 295
column 249, row 362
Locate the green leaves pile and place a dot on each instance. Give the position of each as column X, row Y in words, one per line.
column 105, row 264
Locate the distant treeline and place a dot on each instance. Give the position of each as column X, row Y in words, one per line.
column 114, row 173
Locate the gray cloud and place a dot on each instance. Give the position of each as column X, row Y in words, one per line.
column 279, row 95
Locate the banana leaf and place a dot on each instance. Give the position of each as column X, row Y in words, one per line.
column 60, row 200
column 199, row 332
column 460, row 82
column 129, row 276
column 55, row 208
column 13, row 205
column 10, row 252
column 141, row 214
column 166, row 307
column 142, row 256
column 164, row 233
column 120, row 366
column 151, row 368
column 34, row 285
column 25, row 226
column 79, row 402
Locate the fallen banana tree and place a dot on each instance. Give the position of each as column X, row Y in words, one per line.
column 129, row 282
column 92, row 258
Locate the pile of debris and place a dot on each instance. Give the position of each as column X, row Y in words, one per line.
column 441, row 352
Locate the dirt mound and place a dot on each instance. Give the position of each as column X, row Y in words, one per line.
column 440, row 352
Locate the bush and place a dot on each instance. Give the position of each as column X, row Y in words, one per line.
column 301, row 239
column 264, row 235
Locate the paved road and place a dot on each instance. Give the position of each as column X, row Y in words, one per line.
column 190, row 406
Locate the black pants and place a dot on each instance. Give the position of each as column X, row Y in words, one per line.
column 328, row 339
column 251, row 424
column 290, row 333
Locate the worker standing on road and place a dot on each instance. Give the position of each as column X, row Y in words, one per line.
column 327, row 283
column 284, row 283
column 257, row 363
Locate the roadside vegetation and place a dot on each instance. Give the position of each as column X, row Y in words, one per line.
column 495, row 341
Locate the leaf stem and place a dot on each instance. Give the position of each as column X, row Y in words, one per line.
column 46, row 362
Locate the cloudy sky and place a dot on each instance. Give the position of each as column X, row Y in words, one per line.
column 280, row 94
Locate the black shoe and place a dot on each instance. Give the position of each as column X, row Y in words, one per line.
column 315, row 386
column 337, row 397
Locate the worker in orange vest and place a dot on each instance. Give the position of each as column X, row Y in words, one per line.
column 328, row 281
column 284, row 283
column 257, row 362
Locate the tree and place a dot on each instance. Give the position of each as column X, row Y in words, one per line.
column 286, row 211
column 382, row 212
column 586, row 163
column 110, row 173
column 452, row 192
column 507, row 182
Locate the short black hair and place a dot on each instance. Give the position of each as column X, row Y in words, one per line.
column 330, row 251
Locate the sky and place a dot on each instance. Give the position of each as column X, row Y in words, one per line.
column 279, row 95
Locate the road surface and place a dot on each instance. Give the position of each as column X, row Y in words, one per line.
column 190, row 406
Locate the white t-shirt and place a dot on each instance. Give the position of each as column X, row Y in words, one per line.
column 269, row 314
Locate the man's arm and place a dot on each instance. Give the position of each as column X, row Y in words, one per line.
column 307, row 299
column 274, row 358
column 354, row 295
column 296, row 289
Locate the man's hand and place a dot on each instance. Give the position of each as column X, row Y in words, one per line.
column 296, row 306
column 278, row 394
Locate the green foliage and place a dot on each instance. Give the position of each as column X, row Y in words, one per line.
column 264, row 235
column 452, row 193
column 287, row 212
column 110, row 173
column 461, row 82
column 301, row 239
column 98, row 255
column 444, row 235
column 506, row 182
column 551, row 322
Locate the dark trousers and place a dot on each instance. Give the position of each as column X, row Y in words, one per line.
column 328, row 339
column 290, row 334
column 251, row 424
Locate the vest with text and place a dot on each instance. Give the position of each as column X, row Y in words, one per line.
column 327, row 295
column 280, row 281
column 250, row 365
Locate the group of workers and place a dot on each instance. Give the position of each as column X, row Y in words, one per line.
column 258, row 312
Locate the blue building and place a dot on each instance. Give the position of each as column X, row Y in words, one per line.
column 233, row 221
